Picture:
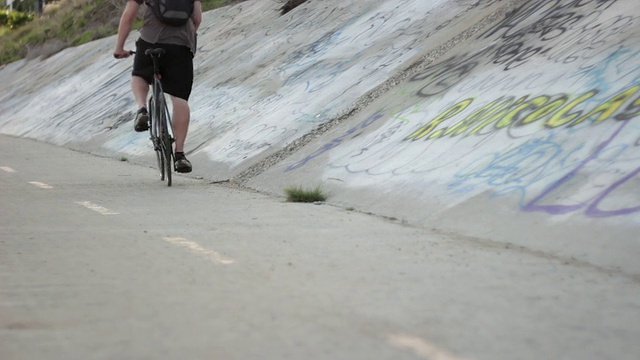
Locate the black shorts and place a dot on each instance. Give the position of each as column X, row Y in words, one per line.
column 176, row 67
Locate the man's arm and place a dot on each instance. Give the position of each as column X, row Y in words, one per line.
column 126, row 23
column 197, row 13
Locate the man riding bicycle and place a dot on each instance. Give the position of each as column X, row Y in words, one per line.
column 179, row 42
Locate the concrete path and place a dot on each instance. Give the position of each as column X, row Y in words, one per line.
column 495, row 141
column 100, row 260
column 507, row 121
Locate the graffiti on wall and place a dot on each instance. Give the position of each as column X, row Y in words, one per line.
column 68, row 105
column 551, row 111
column 544, row 111
column 353, row 49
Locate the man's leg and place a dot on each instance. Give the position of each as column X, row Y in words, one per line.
column 181, row 117
column 179, row 83
column 140, row 89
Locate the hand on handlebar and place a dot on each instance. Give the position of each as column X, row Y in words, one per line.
column 123, row 54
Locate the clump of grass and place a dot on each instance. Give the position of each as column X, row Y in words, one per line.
column 299, row 194
column 124, row 158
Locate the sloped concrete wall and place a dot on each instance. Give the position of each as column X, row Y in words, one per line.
column 526, row 134
column 509, row 121
column 263, row 80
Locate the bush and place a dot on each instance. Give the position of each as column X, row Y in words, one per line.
column 64, row 23
column 290, row 5
column 85, row 37
column 13, row 19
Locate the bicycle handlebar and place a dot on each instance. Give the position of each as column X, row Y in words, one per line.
column 131, row 52
column 153, row 52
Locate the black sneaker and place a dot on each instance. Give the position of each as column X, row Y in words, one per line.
column 182, row 165
column 141, row 122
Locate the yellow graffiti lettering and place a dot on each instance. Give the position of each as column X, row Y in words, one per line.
column 501, row 110
column 632, row 111
column 610, row 107
column 563, row 116
column 437, row 134
column 467, row 122
column 514, row 114
column 544, row 111
column 424, row 130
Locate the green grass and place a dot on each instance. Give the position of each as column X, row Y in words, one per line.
column 69, row 23
column 214, row 4
column 298, row 194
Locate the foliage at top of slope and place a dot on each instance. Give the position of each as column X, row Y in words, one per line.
column 66, row 23
column 290, row 5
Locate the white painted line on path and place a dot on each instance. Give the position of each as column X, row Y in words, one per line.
column 7, row 169
column 41, row 185
column 421, row 347
column 197, row 249
column 97, row 208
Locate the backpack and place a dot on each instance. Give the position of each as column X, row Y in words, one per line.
column 172, row 12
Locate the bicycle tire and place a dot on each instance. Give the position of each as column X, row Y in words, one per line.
column 155, row 138
column 165, row 138
column 167, row 155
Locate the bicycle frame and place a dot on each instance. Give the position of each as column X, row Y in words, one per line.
column 161, row 129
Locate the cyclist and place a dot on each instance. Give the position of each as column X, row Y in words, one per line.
column 179, row 43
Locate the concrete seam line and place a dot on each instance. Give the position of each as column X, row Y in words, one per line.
column 562, row 260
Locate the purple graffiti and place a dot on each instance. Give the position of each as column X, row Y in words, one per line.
column 335, row 142
column 593, row 209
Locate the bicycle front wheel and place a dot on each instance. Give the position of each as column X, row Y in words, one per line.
column 155, row 131
column 165, row 140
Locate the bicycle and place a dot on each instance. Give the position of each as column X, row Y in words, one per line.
column 161, row 127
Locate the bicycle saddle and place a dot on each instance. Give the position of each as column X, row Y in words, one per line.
column 154, row 52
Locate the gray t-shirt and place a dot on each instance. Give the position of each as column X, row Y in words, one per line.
column 155, row 32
